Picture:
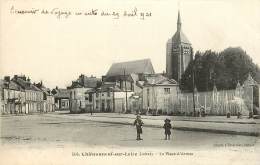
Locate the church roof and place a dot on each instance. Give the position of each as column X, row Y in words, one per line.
column 179, row 37
column 138, row 66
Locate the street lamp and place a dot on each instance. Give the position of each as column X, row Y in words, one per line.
column 99, row 91
column 113, row 98
column 126, row 93
column 193, row 88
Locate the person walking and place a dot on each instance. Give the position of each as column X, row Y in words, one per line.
column 138, row 123
column 167, row 128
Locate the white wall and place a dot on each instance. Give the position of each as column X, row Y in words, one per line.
column 158, row 99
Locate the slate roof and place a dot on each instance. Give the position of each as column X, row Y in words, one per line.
column 109, row 86
column 179, row 37
column 138, row 66
column 75, row 84
column 46, row 90
column 12, row 85
column 86, row 82
column 25, row 84
column 154, row 79
column 62, row 93
column 134, row 77
column 157, row 79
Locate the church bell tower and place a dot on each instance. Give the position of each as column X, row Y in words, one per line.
column 179, row 53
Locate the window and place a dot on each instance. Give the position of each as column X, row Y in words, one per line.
column 44, row 96
column 97, row 94
column 108, row 93
column 167, row 91
column 90, row 97
column 71, row 95
column 108, row 105
column 97, row 103
column 148, row 100
column 2, row 94
column 86, row 98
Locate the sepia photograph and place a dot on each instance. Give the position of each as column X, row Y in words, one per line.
column 129, row 82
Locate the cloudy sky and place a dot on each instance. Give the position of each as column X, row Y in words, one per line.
column 56, row 50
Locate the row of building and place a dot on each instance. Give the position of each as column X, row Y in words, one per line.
column 134, row 87
column 19, row 95
column 127, row 87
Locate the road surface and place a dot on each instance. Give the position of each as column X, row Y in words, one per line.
column 43, row 131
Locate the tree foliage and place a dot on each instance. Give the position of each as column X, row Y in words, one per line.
column 224, row 69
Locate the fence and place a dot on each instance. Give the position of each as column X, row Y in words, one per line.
column 218, row 102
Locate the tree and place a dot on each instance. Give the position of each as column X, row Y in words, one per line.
column 224, row 69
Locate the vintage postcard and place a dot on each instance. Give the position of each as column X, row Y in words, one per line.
column 129, row 82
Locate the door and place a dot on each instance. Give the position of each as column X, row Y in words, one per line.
column 103, row 106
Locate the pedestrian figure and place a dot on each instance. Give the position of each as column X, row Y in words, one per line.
column 239, row 115
column 167, row 127
column 138, row 123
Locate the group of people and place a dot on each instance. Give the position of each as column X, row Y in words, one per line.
column 139, row 123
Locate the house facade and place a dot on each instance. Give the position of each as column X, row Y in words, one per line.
column 78, row 99
column 110, row 98
column 61, row 98
column 80, row 95
column 48, row 98
column 33, row 95
column 159, row 95
column 12, row 99
column 49, row 102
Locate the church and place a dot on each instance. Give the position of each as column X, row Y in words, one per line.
column 179, row 53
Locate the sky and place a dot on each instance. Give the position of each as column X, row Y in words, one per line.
column 57, row 50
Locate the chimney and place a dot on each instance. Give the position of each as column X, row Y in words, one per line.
column 15, row 77
column 81, row 76
column 28, row 80
column 22, row 77
column 7, row 78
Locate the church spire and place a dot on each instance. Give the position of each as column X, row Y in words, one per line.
column 179, row 22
